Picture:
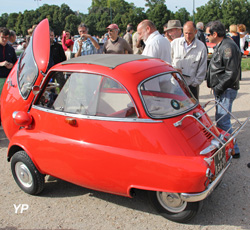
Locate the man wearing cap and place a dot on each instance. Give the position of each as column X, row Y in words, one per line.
column 156, row 45
column 189, row 57
column 173, row 29
column 116, row 44
column 86, row 44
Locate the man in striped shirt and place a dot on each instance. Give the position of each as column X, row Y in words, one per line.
column 86, row 44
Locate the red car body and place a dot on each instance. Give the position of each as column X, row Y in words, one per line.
column 135, row 147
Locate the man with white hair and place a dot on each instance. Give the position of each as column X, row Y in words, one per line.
column 200, row 33
column 189, row 57
column 156, row 45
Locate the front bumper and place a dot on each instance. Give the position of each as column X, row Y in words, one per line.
column 194, row 197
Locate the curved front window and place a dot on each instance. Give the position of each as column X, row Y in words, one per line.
column 166, row 95
column 27, row 71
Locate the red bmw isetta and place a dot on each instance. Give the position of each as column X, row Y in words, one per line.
column 113, row 123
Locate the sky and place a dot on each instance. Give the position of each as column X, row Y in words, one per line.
column 15, row 6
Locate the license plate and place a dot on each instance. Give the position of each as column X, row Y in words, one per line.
column 220, row 161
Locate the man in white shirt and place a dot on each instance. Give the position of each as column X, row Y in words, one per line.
column 189, row 57
column 156, row 45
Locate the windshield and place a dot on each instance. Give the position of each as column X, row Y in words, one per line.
column 166, row 95
column 27, row 71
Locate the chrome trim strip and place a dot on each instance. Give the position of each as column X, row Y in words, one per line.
column 99, row 118
column 230, row 139
column 194, row 197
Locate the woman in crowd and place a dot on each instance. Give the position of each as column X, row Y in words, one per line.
column 67, row 44
column 234, row 34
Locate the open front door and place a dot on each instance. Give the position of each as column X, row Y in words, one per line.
column 17, row 92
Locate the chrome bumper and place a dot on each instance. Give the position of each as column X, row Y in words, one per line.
column 194, row 197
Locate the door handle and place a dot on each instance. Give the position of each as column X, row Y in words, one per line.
column 70, row 121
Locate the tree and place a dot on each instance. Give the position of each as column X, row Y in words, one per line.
column 71, row 21
column 183, row 15
column 12, row 19
column 235, row 12
column 4, row 20
column 210, row 12
column 159, row 14
column 153, row 3
column 18, row 25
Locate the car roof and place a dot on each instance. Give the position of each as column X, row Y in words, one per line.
column 107, row 60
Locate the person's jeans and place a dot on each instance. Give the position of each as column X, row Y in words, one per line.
column 226, row 99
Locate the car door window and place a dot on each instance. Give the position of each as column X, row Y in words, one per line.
column 86, row 94
column 71, row 92
column 27, row 72
column 114, row 101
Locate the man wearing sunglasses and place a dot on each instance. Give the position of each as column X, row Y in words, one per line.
column 7, row 56
column 223, row 74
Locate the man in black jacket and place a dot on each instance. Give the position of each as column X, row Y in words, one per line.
column 7, row 56
column 56, row 51
column 223, row 74
column 200, row 33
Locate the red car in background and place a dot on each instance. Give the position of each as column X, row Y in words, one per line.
column 113, row 123
column 210, row 47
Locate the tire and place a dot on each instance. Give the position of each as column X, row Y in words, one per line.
column 170, row 206
column 25, row 173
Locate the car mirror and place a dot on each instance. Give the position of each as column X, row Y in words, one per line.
column 35, row 89
column 22, row 118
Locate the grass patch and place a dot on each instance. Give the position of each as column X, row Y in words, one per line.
column 245, row 64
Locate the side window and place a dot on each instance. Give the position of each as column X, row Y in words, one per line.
column 114, row 101
column 86, row 94
column 27, row 71
column 72, row 93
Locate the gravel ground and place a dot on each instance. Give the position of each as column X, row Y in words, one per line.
column 66, row 206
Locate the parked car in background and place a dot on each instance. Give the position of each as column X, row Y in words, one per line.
column 210, row 47
column 113, row 123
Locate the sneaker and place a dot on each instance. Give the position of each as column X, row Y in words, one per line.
column 236, row 155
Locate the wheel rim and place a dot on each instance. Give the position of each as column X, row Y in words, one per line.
column 171, row 201
column 23, row 174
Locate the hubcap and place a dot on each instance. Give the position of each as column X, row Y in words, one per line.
column 171, row 201
column 23, row 174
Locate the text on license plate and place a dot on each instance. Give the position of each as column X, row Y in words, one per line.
column 220, row 161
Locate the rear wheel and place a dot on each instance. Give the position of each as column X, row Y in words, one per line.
column 25, row 173
column 172, row 207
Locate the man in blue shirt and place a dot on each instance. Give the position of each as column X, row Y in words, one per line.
column 7, row 56
column 86, row 44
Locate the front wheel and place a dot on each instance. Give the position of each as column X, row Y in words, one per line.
column 172, row 207
column 25, row 173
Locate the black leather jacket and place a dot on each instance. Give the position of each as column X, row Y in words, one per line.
column 224, row 68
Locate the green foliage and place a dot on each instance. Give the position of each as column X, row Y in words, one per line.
column 245, row 64
column 182, row 15
column 12, row 19
column 3, row 20
column 210, row 12
column 101, row 13
column 159, row 14
column 235, row 12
